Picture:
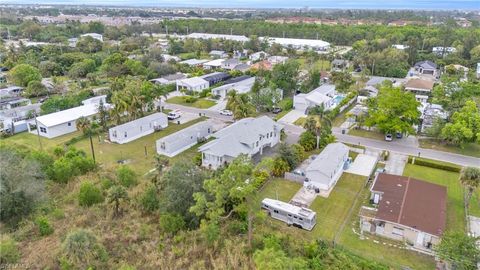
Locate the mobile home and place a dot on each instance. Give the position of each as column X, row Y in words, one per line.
column 138, row 128
column 301, row 217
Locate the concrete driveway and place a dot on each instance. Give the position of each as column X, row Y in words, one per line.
column 186, row 117
column 396, row 163
column 362, row 165
column 291, row 117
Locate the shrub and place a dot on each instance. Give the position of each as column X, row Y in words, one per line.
column 9, row 251
column 81, row 250
column 190, row 99
column 126, row 176
column 106, row 184
column 44, row 226
column 171, row 223
column 434, row 164
column 149, row 201
column 307, row 140
column 280, row 166
column 286, row 104
column 89, row 194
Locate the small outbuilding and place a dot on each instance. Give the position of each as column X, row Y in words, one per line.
column 138, row 128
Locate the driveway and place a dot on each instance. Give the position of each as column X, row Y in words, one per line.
column 363, row 165
column 291, row 117
column 186, row 117
column 221, row 104
column 395, row 163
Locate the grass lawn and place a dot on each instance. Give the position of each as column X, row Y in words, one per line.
column 300, row 121
column 366, row 134
column 201, row 103
column 340, row 118
column 318, row 65
column 469, row 149
column 108, row 154
column 30, row 141
column 331, row 213
column 455, row 209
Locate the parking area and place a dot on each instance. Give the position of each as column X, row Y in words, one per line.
column 186, row 117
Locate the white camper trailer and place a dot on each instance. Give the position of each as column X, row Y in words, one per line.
column 292, row 215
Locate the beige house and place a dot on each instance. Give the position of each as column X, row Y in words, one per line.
column 406, row 209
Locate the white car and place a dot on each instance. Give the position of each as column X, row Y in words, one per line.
column 174, row 115
column 226, row 112
column 388, row 137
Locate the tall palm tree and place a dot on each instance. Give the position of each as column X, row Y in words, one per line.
column 470, row 179
column 159, row 92
column 83, row 124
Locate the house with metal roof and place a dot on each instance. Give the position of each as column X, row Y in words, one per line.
column 247, row 136
column 169, row 79
column 406, row 209
column 420, row 86
column 215, row 77
column 426, row 67
column 196, row 84
column 325, row 170
column 63, row 122
column 217, row 63
column 194, row 62
column 242, row 84
column 182, row 140
column 321, row 96
column 230, row 64
column 138, row 128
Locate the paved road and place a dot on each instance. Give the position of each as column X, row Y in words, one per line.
column 293, row 133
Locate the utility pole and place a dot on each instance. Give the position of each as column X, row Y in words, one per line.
column 38, row 132
column 91, row 146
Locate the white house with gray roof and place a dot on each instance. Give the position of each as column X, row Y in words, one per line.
column 248, row 136
column 325, row 170
column 182, row 140
column 196, row 84
column 240, row 85
column 138, row 128
column 322, row 95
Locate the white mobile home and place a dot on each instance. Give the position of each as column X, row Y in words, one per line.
column 180, row 141
column 301, row 217
column 196, row 84
column 138, row 128
column 325, row 170
column 63, row 122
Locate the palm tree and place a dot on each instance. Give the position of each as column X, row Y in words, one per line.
column 84, row 125
column 470, row 179
column 159, row 92
column 116, row 195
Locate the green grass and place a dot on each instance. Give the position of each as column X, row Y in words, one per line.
column 31, row 141
column 108, row 154
column 366, row 134
column 201, row 103
column 331, row 213
column 455, row 209
column 342, row 117
column 300, row 121
column 318, row 65
column 468, row 149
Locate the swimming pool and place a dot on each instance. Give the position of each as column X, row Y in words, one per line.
column 337, row 99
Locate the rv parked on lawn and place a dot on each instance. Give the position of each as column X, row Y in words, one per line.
column 292, row 215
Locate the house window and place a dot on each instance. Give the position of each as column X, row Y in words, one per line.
column 43, row 130
column 268, row 135
column 208, row 130
column 125, row 135
column 289, row 215
column 69, row 124
column 271, row 134
column 397, row 231
column 114, row 133
column 257, row 143
column 301, row 218
column 275, row 211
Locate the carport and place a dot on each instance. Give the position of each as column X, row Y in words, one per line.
column 363, row 165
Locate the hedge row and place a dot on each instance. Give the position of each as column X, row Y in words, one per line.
column 434, row 164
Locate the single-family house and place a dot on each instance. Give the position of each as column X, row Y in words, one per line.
column 95, row 100
column 262, row 65
column 324, row 95
column 94, row 35
column 10, row 91
column 443, row 51
column 339, row 64
column 430, row 112
column 218, row 54
column 258, row 56
column 240, row 53
column 277, row 59
column 15, row 120
column 194, row 62
column 242, row 84
column 215, row 77
column 247, row 136
column 196, row 84
column 242, row 67
column 230, row 64
column 138, row 128
column 214, row 64
column 63, row 122
column 406, row 209
column 169, row 58
column 426, row 68
column 182, row 140
column 13, row 102
column 169, row 79
column 324, row 171
column 420, row 86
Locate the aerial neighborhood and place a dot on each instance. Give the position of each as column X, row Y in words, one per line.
column 170, row 138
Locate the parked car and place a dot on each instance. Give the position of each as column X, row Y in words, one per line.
column 174, row 115
column 388, row 137
column 399, row 135
column 276, row 110
column 226, row 112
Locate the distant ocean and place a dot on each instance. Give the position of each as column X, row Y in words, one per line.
column 338, row 4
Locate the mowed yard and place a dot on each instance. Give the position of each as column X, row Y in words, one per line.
column 200, row 103
column 332, row 213
column 106, row 153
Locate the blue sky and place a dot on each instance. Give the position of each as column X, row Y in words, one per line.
column 345, row 4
